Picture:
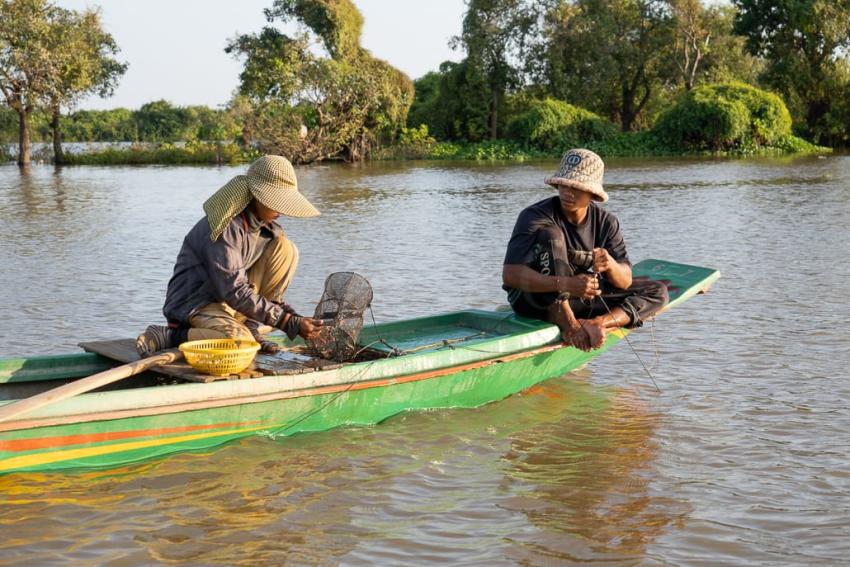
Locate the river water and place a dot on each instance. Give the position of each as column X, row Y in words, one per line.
column 740, row 459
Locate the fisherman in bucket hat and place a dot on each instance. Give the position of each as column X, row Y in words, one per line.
column 566, row 260
column 235, row 265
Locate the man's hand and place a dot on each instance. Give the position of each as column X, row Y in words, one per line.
column 584, row 286
column 602, row 260
column 309, row 328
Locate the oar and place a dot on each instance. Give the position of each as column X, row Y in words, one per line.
column 87, row 384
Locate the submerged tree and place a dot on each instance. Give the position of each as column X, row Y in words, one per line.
column 27, row 74
column 50, row 57
column 310, row 107
column 84, row 54
column 805, row 44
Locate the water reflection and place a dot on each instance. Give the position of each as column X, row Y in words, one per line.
column 587, row 477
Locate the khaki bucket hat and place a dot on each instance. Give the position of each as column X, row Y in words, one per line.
column 271, row 180
column 583, row 170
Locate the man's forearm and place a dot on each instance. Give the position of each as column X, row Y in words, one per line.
column 522, row 277
column 619, row 275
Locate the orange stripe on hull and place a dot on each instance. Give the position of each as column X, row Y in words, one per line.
column 55, row 442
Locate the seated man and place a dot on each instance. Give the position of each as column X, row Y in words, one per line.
column 567, row 263
column 235, row 264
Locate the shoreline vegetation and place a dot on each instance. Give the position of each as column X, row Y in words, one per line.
column 637, row 78
column 231, row 153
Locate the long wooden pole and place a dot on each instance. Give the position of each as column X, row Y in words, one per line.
column 87, row 384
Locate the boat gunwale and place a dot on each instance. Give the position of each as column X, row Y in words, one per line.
column 532, row 334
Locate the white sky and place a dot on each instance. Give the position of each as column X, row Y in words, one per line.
column 175, row 48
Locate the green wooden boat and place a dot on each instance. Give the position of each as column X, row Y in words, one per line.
column 463, row 359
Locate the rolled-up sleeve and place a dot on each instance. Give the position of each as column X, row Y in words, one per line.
column 521, row 245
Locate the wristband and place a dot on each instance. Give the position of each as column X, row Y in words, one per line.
column 292, row 326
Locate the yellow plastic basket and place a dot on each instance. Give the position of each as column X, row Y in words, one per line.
column 220, row 357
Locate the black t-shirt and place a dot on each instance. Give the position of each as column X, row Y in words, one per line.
column 600, row 229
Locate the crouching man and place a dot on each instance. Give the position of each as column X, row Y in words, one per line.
column 566, row 261
column 235, row 265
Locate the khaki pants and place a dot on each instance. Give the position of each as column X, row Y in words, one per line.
column 269, row 276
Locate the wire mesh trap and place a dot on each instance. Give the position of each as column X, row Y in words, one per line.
column 346, row 297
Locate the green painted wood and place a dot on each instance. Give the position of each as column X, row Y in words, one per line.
column 56, row 367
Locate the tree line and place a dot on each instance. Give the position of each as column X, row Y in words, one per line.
column 536, row 72
column 628, row 60
column 158, row 121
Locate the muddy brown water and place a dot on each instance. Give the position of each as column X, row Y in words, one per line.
column 741, row 459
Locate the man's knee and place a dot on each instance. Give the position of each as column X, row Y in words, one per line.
column 217, row 321
column 658, row 292
column 283, row 252
column 235, row 331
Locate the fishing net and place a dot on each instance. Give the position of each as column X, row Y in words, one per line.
column 346, row 297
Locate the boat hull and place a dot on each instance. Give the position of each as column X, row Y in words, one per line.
column 122, row 440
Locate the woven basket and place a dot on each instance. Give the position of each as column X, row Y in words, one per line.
column 220, row 357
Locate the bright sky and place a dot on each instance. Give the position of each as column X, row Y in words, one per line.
column 175, row 48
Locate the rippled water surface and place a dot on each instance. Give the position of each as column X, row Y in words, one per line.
column 740, row 459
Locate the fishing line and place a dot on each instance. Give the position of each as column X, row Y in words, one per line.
column 626, row 336
column 335, row 397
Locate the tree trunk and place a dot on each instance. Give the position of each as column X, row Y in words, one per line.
column 58, row 155
column 627, row 114
column 23, row 138
column 814, row 113
column 494, row 115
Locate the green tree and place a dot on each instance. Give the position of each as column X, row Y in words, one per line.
column 453, row 103
column 724, row 116
column 84, row 55
column 610, row 56
column 27, row 72
column 310, row 107
column 706, row 48
column 116, row 125
column 494, row 36
column 160, row 121
column 805, row 44
column 51, row 57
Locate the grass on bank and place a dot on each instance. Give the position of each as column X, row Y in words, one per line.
column 211, row 153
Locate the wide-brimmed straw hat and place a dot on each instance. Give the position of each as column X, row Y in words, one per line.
column 271, row 180
column 583, row 170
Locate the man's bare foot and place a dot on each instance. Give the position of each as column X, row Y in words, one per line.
column 577, row 337
column 595, row 332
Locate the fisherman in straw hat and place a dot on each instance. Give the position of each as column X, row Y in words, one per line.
column 567, row 263
column 236, row 263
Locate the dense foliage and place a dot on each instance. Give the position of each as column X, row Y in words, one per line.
column 723, row 117
column 310, row 107
column 552, row 125
column 805, row 44
column 452, row 103
column 623, row 77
